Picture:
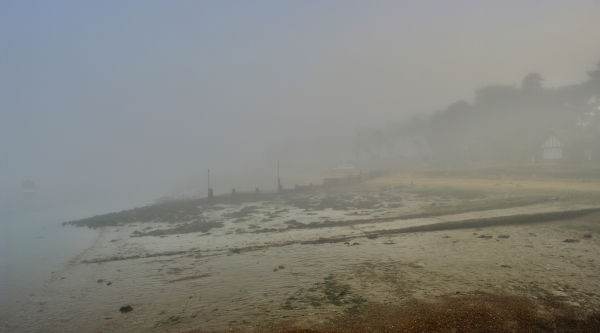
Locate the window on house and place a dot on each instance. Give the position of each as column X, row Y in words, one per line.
column 551, row 153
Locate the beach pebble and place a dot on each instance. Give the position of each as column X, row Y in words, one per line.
column 281, row 267
column 587, row 236
column 571, row 240
column 100, row 281
column 109, row 283
column 126, row 308
column 559, row 293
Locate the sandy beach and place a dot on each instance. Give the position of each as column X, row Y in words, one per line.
column 305, row 260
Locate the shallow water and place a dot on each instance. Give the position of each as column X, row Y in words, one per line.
column 34, row 244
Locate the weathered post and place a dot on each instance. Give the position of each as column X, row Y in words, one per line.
column 210, row 190
column 279, row 186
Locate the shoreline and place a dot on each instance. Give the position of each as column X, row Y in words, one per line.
column 229, row 277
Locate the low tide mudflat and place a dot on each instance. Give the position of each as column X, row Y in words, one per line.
column 309, row 260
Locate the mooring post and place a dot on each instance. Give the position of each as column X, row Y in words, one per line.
column 279, row 187
column 210, row 191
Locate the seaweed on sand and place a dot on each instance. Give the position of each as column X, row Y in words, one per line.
column 478, row 312
column 331, row 291
column 170, row 211
column 186, row 228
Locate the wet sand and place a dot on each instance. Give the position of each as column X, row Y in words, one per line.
column 235, row 277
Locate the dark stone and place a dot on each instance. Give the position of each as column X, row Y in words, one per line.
column 587, row 236
column 126, row 308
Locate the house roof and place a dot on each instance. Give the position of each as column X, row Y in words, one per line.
column 569, row 138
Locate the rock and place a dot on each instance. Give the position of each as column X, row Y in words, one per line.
column 126, row 308
column 559, row 293
column 587, row 236
column 571, row 240
column 281, row 267
column 100, row 281
column 109, row 283
column 485, row 236
column 506, row 266
column 504, row 236
column 275, row 270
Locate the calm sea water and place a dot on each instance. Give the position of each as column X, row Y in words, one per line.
column 33, row 244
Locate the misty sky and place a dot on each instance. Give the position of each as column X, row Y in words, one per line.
column 111, row 96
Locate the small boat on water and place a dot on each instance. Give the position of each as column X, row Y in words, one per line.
column 28, row 189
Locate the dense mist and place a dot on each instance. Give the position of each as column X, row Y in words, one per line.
column 131, row 100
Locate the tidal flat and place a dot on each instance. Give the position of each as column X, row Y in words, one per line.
column 310, row 259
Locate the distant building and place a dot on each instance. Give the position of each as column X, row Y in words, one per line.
column 569, row 146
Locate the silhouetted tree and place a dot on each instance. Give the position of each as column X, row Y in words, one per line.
column 532, row 81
